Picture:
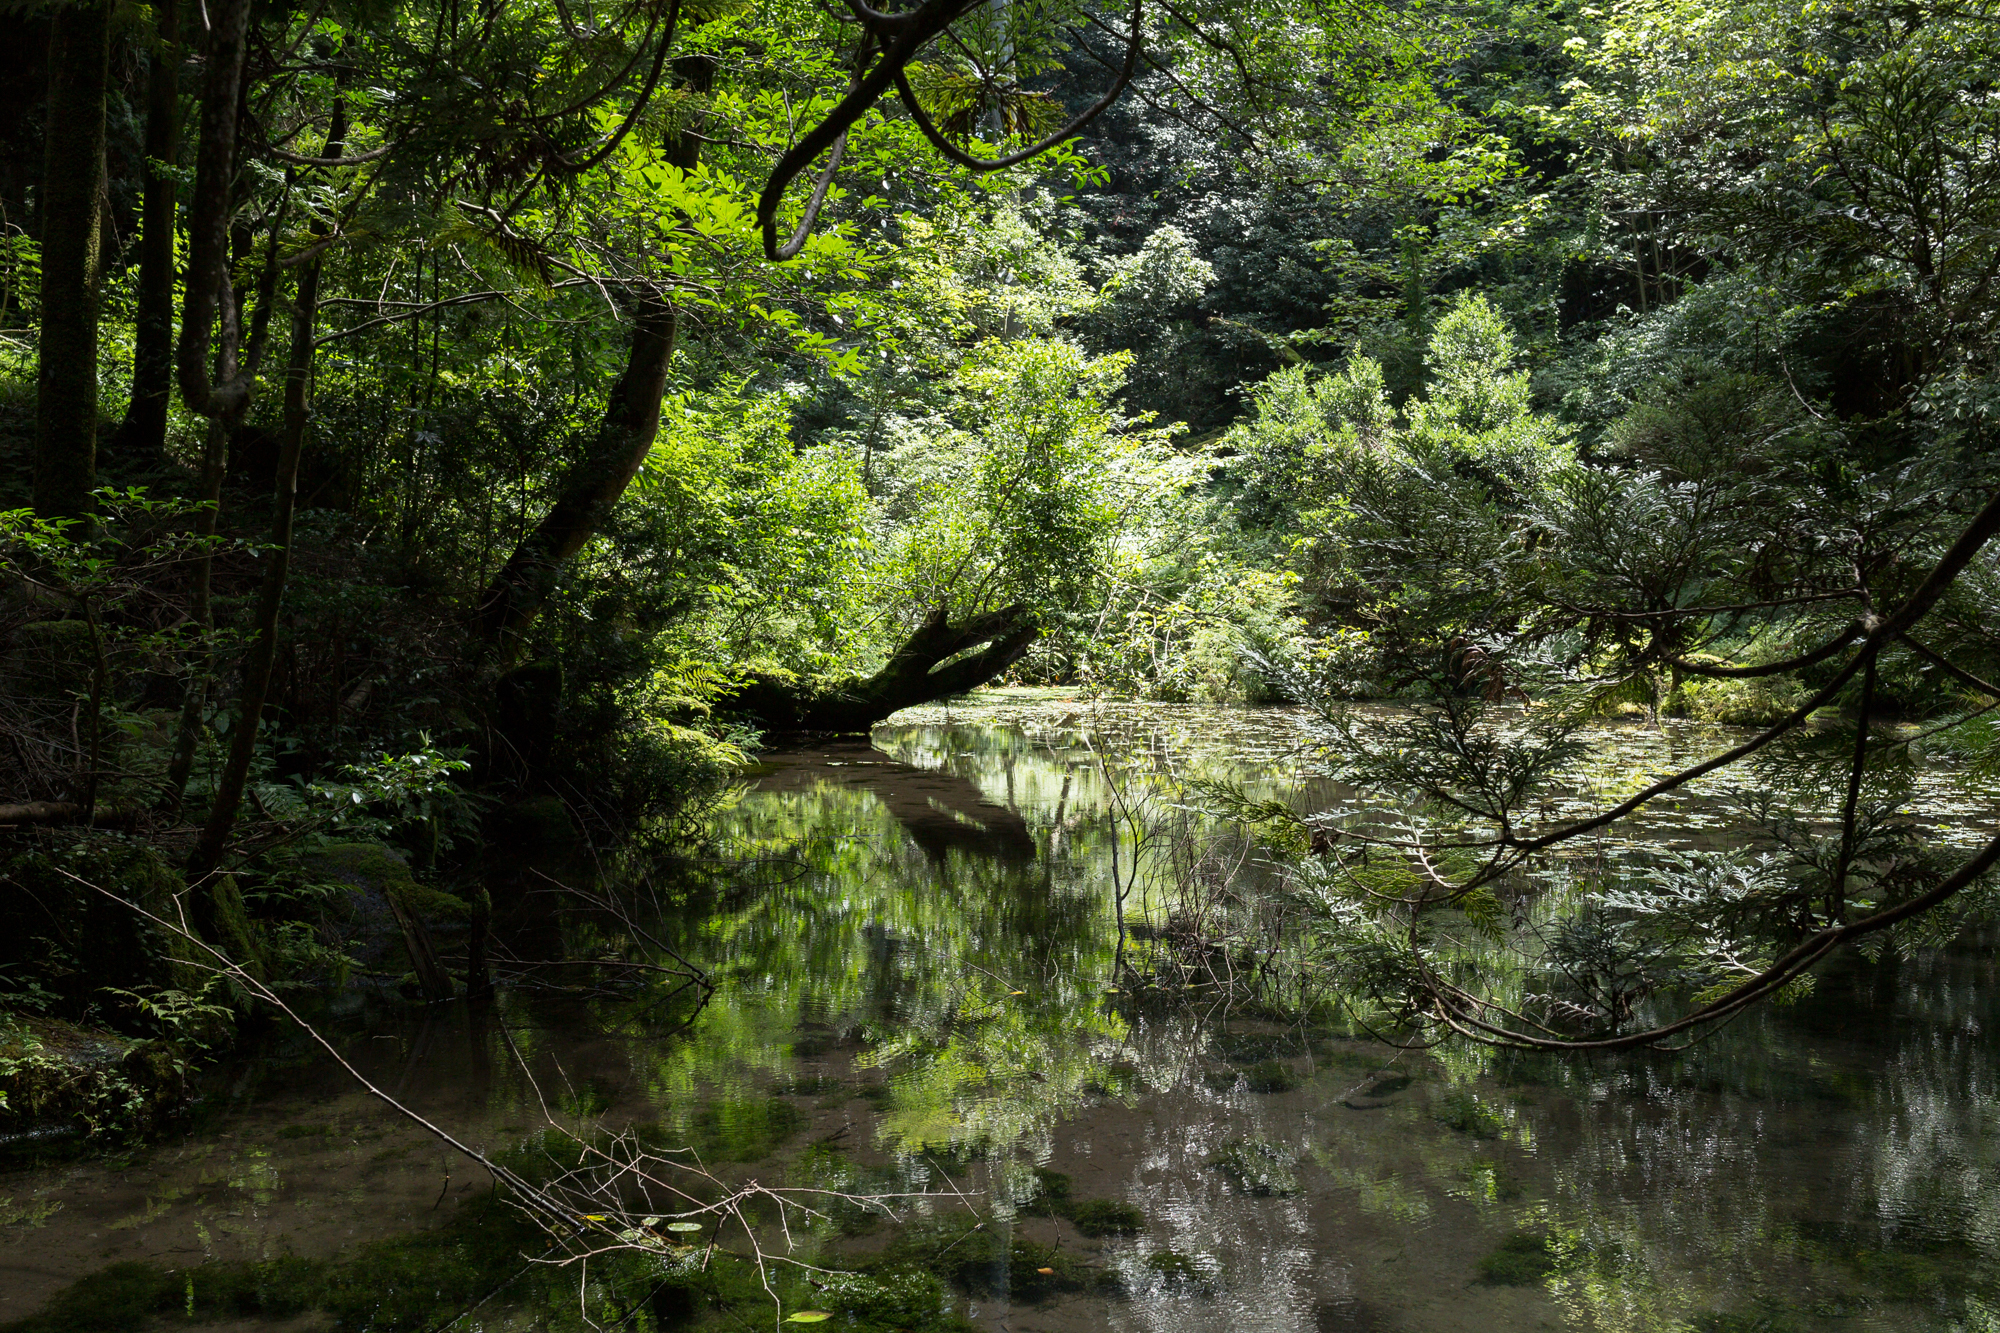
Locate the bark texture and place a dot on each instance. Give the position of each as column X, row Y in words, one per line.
column 144, row 430
column 631, row 421
column 72, row 225
column 209, row 215
column 935, row 662
column 517, row 594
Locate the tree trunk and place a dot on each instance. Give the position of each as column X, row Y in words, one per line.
column 271, row 595
column 516, row 595
column 144, row 430
column 209, row 215
column 912, row 676
column 522, row 587
column 72, row 224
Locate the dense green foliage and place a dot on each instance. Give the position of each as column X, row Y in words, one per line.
column 554, row 405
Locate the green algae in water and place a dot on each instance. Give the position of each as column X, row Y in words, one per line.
column 1465, row 1113
column 746, row 1130
column 1175, row 1272
column 422, row 1282
column 978, row 1261
column 405, row 1282
column 1258, row 1166
column 1520, row 1260
column 1107, row 1217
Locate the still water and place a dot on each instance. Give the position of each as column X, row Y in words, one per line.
column 915, row 947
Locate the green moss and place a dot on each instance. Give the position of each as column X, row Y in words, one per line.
column 1052, row 1195
column 1107, row 1217
column 1259, row 1167
column 359, row 865
column 370, row 867
column 1520, row 1260
column 238, row 936
column 1178, row 1272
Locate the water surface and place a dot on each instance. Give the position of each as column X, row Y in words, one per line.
column 915, row 947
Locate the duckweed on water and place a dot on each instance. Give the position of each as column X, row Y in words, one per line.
column 1052, row 1195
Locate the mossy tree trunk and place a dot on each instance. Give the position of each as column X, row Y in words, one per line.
column 72, row 260
column 517, row 594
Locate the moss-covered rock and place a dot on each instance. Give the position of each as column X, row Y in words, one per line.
column 537, row 826
column 54, row 1073
column 374, row 896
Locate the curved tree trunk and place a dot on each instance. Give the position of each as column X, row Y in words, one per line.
column 72, row 223
column 935, row 662
column 517, row 594
column 144, row 430
column 632, row 418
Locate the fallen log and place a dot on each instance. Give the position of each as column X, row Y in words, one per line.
column 68, row 812
column 938, row 660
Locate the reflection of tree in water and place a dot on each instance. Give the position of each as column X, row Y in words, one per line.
column 964, row 949
column 1812, row 1162
column 1830, row 1160
column 940, row 811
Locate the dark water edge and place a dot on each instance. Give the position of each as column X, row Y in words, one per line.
column 915, row 975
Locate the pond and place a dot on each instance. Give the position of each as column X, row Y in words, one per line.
column 915, row 952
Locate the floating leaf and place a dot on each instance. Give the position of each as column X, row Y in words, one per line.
column 683, row 1226
column 593, row 1217
column 807, row 1317
column 1017, row 992
column 1045, row 1272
